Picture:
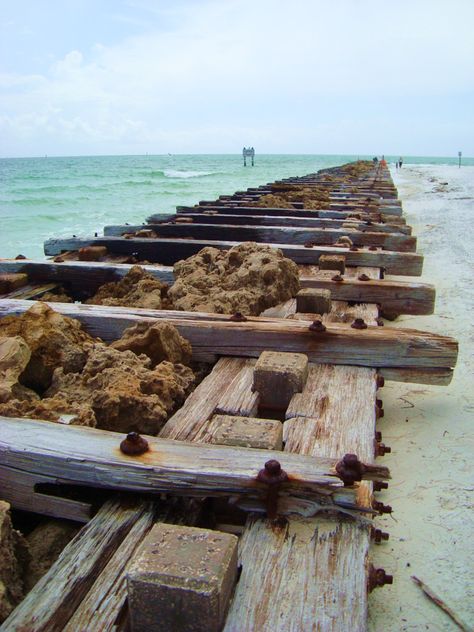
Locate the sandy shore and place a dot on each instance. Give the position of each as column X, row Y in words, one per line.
column 430, row 427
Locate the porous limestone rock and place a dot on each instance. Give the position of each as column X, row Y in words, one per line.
column 137, row 289
column 14, row 357
column 54, row 340
column 248, row 278
column 158, row 341
column 123, row 391
column 13, row 560
column 46, row 543
column 56, row 296
column 55, row 408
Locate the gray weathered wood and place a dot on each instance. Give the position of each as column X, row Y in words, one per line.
column 217, row 334
column 169, row 251
column 78, row 455
column 54, row 599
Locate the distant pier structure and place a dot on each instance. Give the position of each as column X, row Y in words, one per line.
column 248, row 152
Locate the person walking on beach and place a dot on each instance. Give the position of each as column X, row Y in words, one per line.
column 400, row 162
column 383, row 162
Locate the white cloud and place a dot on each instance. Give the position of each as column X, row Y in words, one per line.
column 268, row 70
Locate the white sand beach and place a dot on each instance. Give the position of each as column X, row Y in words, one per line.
column 430, row 427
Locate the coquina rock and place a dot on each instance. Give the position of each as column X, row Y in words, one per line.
column 137, row 289
column 248, row 278
column 14, row 558
column 53, row 339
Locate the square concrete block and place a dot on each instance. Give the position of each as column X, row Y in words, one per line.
column 332, row 262
column 181, row 579
column 277, row 376
column 247, row 432
column 313, row 301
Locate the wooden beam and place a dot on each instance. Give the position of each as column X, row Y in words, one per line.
column 81, row 274
column 399, row 297
column 169, row 251
column 216, row 334
column 264, row 220
column 55, row 598
column 273, row 212
column 275, row 234
column 78, row 455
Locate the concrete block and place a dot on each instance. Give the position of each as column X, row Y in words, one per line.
column 313, row 301
column 278, row 376
column 247, row 432
column 181, row 579
column 332, row 262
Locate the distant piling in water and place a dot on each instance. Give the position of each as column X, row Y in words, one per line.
column 248, row 152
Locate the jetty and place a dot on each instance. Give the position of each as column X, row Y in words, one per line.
column 255, row 504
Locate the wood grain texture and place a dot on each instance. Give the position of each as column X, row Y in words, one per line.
column 217, row 334
column 78, row 455
column 54, row 599
column 168, row 251
column 19, row 489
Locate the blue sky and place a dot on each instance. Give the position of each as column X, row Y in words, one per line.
column 206, row 76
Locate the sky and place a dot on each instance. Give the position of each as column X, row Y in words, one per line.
column 100, row 77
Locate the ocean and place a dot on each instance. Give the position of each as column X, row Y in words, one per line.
column 52, row 197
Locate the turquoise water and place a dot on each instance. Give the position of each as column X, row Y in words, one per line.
column 52, row 197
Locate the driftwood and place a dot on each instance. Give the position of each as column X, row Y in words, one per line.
column 78, row 455
column 433, row 597
column 215, row 334
column 169, row 251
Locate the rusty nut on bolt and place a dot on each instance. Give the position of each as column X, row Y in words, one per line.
column 378, row 578
column 134, row 445
column 317, row 326
column 378, row 535
column 238, row 317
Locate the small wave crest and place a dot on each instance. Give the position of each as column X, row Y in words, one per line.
column 173, row 173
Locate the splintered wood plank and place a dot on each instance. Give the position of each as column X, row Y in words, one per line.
column 169, row 251
column 227, row 390
column 340, row 344
column 304, row 574
column 78, row 455
column 54, row 599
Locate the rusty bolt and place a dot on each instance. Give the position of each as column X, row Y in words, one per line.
column 359, row 323
column 379, row 322
column 238, row 317
column 309, row 244
column 381, row 449
column 372, row 248
column 338, row 278
column 380, row 507
column 379, row 485
column 353, row 249
column 317, row 326
column 378, row 578
column 363, row 277
column 378, row 535
column 379, row 412
column 379, row 403
column 380, row 381
column 58, row 259
column 378, row 435
column 273, row 476
column 134, row 444
column 18, row 257
column 350, row 469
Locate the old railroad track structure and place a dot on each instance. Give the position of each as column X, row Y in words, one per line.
column 305, row 522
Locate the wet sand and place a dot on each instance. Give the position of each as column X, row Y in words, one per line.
column 430, row 428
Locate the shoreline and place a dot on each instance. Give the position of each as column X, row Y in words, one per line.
column 429, row 427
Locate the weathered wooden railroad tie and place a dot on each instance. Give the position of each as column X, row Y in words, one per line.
column 284, row 425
